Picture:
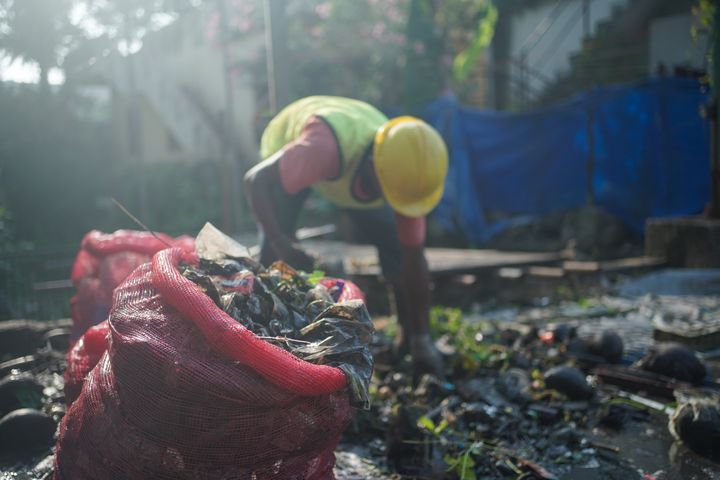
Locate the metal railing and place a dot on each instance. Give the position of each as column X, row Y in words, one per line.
column 35, row 284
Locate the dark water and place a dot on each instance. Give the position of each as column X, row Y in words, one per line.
column 651, row 448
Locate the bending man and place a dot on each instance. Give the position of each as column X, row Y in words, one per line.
column 386, row 174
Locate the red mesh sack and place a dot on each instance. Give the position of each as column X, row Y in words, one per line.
column 82, row 358
column 103, row 262
column 185, row 391
column 86, row 353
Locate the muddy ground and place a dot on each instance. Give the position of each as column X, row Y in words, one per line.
column 499, row 413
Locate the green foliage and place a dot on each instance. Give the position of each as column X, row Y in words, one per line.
column 358, row 48
column 59, row 171
column 54, row 167
column 427, row 424
column 424, row 75
column 441, row 35
column 128, row 19
column 445, row 320
column 35, row 31
column 396, row 53
column 467, row 338
column 708, row 15
column 68, row 33
column 180, row 198
column 347, row 47
column 463, row 464
column 466, row 59
column 315, row 276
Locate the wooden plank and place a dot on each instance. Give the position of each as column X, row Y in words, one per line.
column 619, row 265
column 362, row 260
column 547, row 272
column 575, row 266
column 511, row 273
column 632, row 263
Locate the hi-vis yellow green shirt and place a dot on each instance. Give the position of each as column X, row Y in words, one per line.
column 354, row 124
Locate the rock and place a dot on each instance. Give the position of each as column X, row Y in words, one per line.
column 618, row 415
column 508, row 336
column 504, row 469
column 44, row 468
column 528, row 337
column 563, row 332
column 26, row 429
column 591, row 232
column 557, row 452
column 356, row 462
column 19, row 391
column 430, row 386
column 397, row 380
column 384, row 392
column 608, row 345
column 578, row 347
column 514, row 384
column 696, row 423
column 674, row 360
column 570, row 382
column 480, row 389
column 603, row 347
column 521, row 361
column 596, row 232
column 544, row 413
column 478, row 412
column 567, row 436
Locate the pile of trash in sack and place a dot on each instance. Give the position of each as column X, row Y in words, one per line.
column 212, row 366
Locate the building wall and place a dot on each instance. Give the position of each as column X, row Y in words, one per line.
column 672, row 44
column 549, row 57
column 186, row 54
column 179, row 72
column 155, row 144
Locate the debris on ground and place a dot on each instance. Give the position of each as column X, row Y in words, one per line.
column 588, row 232
column 552, row 390
column 676, row 361
column 31, row 393
column 520, row 402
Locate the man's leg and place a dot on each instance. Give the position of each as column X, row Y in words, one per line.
column 377, row 227
column 288, row 210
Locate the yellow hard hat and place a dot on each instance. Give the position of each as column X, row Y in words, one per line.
column 411, row 162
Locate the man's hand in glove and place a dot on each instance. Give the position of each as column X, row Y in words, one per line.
column 295, row 256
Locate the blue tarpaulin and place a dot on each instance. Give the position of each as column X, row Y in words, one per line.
column 650, row 156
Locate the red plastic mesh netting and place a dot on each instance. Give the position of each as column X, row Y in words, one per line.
column 82, row 358
column 103, row 262
column 184, row 391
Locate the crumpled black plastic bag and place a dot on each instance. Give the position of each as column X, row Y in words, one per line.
column 284, row 307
